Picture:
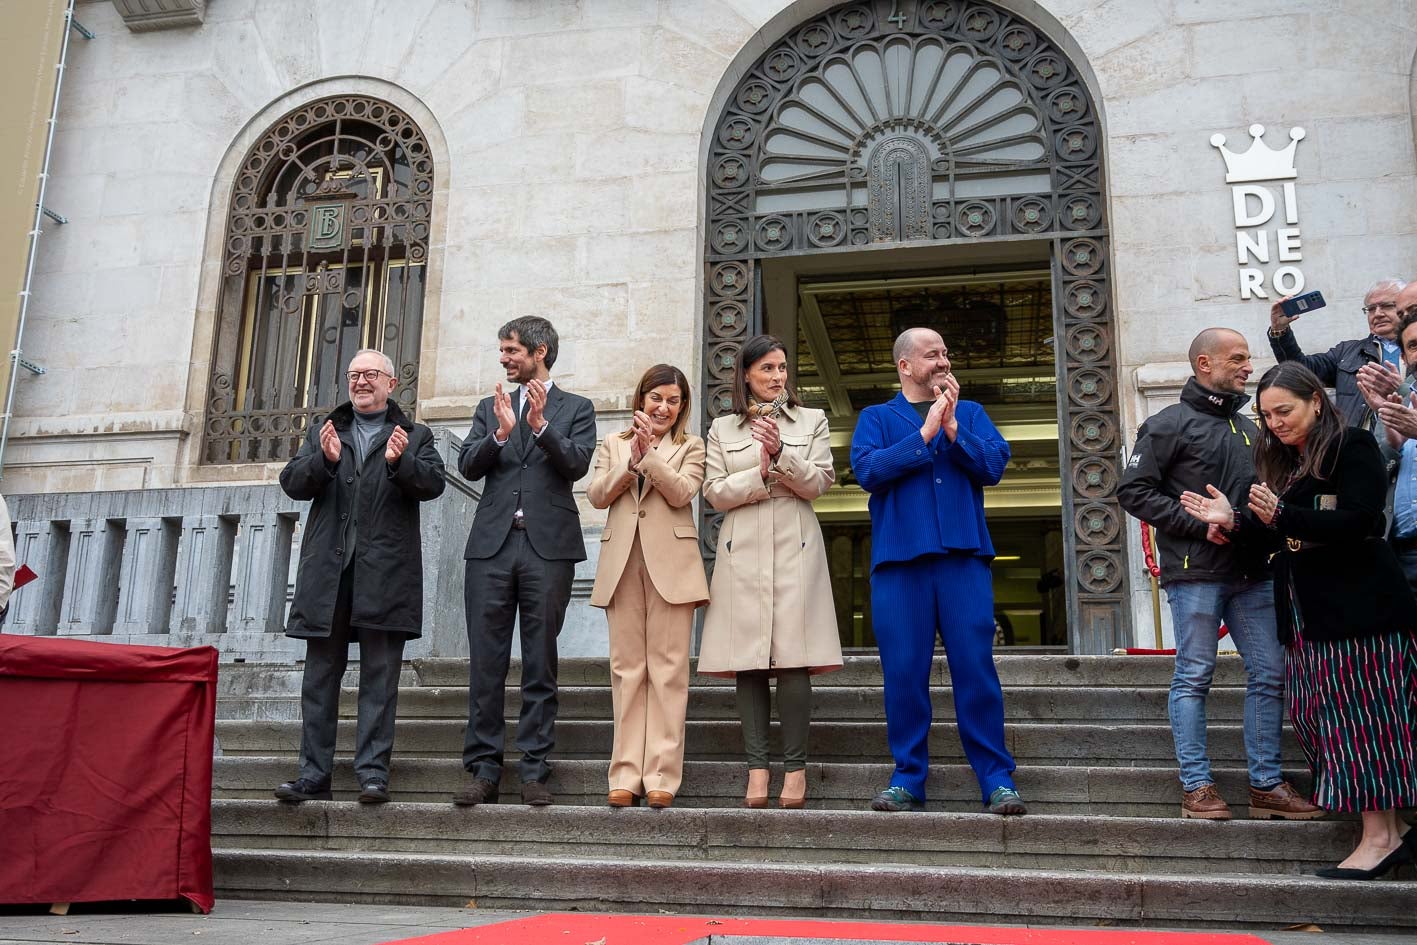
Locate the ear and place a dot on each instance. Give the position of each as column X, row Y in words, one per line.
column 539, row 354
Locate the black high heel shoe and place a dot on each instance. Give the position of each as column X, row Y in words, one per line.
column 1399, row 857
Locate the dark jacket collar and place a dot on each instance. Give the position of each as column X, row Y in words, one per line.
column 343, row 416
column 1209, row 401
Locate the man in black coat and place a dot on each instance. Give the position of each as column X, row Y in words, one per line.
column 1347, row 363
column 365, row 471
column 529, row 447
column 1206, row 441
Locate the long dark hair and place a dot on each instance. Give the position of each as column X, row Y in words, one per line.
column 754, row 350
column 1278, row 464
column 658, row 376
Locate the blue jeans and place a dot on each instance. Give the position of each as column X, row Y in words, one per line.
column 1247, row 607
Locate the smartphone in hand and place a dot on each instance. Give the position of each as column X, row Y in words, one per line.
column 1302, row 304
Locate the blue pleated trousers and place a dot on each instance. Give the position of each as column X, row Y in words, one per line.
column 913, row 602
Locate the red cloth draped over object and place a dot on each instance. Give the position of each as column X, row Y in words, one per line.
column 105, row 793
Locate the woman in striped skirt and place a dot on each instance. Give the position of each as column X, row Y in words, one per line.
column 1345, row 612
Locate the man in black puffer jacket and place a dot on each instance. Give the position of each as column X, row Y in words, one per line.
column 1205, row 441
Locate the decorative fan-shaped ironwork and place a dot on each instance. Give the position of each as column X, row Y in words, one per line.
column 958, row 112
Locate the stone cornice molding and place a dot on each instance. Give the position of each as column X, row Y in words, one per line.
column 142, row 16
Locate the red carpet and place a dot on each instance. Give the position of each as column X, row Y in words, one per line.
column 590, row 929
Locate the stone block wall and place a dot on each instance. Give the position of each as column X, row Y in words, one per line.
column 570, row 140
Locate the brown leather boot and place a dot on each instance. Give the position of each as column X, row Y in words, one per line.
column 1282, row 802
column 1204, row 803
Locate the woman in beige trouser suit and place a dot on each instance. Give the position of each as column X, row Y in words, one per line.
column 649, row 580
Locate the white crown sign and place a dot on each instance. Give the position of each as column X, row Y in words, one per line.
column 1260, row 162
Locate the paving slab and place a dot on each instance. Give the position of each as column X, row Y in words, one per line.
column 267, row 922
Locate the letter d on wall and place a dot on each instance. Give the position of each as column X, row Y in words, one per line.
column 1240, row 195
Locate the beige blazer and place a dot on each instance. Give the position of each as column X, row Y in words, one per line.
column 660, row 513
column 772, row 596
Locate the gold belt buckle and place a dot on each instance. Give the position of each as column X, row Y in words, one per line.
column 1294, row 544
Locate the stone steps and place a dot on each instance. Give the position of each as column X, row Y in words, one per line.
column 841, row 703
column 1102, row 844
column 721, row 740
column 1014, row 670
column 748, row 885
column 1124, row 844
column 1073, row 790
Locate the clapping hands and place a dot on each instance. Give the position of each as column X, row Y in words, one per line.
column 769, row 439
column 643, row 440
column 941, row 415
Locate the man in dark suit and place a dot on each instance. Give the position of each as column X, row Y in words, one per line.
column 530, row 446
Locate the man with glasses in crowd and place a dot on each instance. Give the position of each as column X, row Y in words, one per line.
column 1374, row 360
column 1398, row 416
column 364, row 470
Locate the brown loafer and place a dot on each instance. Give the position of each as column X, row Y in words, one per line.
column 1282, row 802
column 1204, row 803
column 659, row 799
column 622, row 798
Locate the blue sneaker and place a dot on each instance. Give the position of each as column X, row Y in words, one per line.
column 1005, row 800
column 896, row 798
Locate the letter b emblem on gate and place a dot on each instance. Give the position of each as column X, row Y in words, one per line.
column 326, row 226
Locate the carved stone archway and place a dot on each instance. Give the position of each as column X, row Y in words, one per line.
column 949, row 121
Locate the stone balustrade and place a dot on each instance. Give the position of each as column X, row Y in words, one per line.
column 206, row 565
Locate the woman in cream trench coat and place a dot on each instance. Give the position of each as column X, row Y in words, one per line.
column 772, row 612
column 649, row 580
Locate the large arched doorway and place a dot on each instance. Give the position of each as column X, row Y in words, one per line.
column 934, row 162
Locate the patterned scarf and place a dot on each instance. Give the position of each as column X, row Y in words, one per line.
column 756, row 411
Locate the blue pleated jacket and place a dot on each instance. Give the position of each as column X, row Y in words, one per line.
column 926, row 499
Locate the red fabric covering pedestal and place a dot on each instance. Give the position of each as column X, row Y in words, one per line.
column 106, row 771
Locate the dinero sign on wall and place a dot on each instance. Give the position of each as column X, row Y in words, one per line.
column 1266, row 215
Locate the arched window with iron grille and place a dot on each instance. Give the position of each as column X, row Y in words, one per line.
column 324, row 253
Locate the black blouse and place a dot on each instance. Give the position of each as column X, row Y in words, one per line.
column 1334, row 571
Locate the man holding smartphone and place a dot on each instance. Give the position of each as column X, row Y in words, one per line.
column 1398, row 414
column 1347, row 363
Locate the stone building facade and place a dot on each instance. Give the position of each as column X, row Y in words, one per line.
column 588, row 160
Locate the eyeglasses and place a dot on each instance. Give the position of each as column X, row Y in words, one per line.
column 1384, row 306
column 371, row 376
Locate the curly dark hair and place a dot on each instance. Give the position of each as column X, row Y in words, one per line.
column 531, row 332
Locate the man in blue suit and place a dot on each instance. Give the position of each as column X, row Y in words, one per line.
column 926, row 457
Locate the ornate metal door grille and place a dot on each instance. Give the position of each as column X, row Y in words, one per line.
column 893, row 120
column 325, row 249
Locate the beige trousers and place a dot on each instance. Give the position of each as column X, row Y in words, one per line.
column 649, row 681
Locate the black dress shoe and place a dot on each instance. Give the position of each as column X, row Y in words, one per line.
column 536, row 794
column 1399, row 857
column 303, row 789
column 480, row 791
column 374, row 791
